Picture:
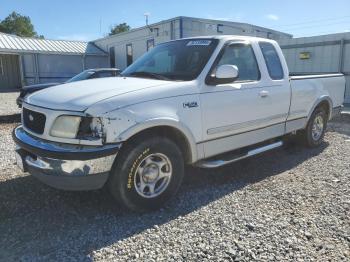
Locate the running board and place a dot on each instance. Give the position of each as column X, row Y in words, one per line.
column 213, row 163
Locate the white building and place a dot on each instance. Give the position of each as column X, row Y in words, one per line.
column 125, row 47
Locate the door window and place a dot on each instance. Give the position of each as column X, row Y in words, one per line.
column 112, row 56
column 150, row 44
column 242, row 56
column 272, row 60
column 129, row 54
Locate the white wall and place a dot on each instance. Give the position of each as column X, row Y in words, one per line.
column 323, row 59
column 138, row 38
column 204, row 27
column 44, row 68
column 325, row 55
column 93, row 61
column 170, row 29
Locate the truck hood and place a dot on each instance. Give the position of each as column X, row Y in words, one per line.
column 78, row 96
column 39, row 86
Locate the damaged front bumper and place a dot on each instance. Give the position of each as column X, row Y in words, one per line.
column 64, row 166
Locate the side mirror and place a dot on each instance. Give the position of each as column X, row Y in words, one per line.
column 226, row 73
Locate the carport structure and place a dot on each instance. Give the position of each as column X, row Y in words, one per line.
column 25, row 61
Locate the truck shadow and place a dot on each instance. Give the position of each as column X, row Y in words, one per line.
column 340, row 124
column 9, row 119
column 39, row 222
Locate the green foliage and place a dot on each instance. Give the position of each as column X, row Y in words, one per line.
column 117, row 29
column 18, row 24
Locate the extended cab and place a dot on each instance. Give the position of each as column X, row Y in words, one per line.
column 205, row 101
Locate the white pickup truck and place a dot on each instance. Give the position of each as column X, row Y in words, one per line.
column 205, row 101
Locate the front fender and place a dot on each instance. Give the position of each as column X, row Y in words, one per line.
column 165, row 122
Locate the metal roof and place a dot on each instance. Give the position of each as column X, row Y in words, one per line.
column 16, row 44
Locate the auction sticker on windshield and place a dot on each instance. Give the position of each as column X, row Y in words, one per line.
column 199, row 42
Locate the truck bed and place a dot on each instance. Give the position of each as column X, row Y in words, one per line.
column 308, row 90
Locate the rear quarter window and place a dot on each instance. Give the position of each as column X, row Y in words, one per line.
column 272, row 61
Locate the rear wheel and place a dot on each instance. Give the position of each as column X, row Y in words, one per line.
column 313, row 134
column 147, row 173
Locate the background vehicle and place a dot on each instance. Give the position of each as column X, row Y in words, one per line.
column 86, row 74
column 201, row 101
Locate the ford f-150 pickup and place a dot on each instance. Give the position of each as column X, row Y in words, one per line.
column 205, row 101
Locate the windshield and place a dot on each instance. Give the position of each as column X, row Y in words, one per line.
column 82, row 76
column 177, row 60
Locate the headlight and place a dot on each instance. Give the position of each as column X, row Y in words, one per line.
column 85, row 128
column 66, row 126
column 90, row 128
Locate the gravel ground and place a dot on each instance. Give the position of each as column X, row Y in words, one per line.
column 8, row 104
column 290, row 204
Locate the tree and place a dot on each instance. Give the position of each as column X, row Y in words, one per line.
column 18, row 24
column 117, row 29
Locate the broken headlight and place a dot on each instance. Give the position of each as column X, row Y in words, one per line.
column 90, row 128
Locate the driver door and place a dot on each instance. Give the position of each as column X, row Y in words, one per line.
column 244, row 112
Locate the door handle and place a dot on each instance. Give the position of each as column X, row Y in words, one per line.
column 263, row 93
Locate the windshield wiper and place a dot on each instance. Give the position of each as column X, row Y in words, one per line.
column 148, row 74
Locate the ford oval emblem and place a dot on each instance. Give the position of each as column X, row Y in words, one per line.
column 31, row 118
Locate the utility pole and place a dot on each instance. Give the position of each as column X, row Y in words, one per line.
column 146, row 16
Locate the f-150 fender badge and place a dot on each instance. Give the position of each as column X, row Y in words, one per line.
column 190, row 104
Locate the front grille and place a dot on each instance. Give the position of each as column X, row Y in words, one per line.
column 34, row 121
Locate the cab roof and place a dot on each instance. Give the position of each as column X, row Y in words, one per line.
column 230, row 37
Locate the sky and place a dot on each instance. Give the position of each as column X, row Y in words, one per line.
column 88, row 20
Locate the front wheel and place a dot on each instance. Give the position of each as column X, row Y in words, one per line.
column 313, row 134
column 147, row 173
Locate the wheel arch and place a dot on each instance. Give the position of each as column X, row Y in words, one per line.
column 169, row 128
column 325, row 102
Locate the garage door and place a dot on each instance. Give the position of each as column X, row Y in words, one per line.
column 9, row 72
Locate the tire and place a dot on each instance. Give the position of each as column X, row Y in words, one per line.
column 312, row 135
column 138, row 169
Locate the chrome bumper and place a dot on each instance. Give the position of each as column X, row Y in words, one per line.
column 63, row 166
